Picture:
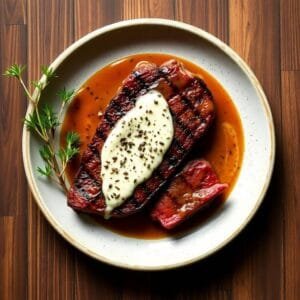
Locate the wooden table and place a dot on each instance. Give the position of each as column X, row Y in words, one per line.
column 262, row 263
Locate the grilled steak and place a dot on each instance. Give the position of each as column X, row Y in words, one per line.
column 192, row 109
column 191, row 190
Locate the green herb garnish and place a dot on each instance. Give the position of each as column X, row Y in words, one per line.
column 44, row 121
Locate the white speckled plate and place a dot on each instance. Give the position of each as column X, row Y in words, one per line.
column 110, row 43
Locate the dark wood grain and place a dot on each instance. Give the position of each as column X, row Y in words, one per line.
column 290, row 34
column 14, row 11
column 90, row 15
column 291, row 165
column 51, row 269
column 13, row 205
column 262, row 263
column 211, row 16
column 256, row 39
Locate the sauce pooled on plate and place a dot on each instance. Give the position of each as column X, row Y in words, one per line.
column 222, row 147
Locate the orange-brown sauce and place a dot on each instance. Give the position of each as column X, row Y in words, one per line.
column 222, row 147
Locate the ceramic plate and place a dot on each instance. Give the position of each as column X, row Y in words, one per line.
column 107, row 44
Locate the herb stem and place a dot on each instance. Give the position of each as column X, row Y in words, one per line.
column 54, row 178
column 55, row 166
column 42, row 134
column 44, row 123
column 26, row 91
column 63, row 169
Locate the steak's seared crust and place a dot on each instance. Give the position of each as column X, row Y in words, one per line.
column 191, row 106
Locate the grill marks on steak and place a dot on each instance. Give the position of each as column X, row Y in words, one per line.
column 191, row 106
column 195, row 187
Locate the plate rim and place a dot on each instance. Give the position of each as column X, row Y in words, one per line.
column 211, row 39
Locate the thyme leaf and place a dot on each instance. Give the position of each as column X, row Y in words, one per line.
column 14, row 70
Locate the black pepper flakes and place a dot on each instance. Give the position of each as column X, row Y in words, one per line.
column 114, row 171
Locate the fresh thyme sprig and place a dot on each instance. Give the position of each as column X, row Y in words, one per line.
column 44, row 122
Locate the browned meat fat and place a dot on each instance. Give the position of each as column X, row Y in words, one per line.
column 192, row 110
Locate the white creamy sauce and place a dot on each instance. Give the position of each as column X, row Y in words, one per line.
column 135, row 147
